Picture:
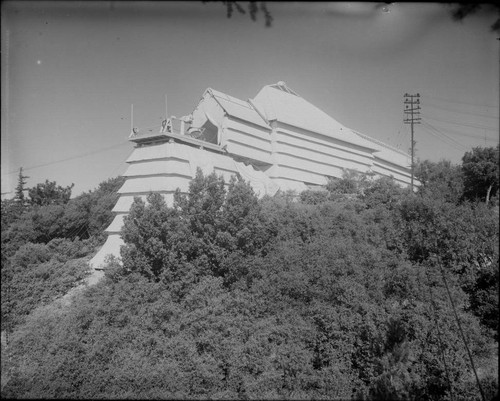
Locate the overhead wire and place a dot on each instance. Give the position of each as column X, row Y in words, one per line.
column 442, row 133
column 440, row 341
column 442, row 137
column 71, row 158
column 460, row 111
column 444, row 140
column 76, row 231
column 473, row 136
column 437, row 132
column 72, row 233
column 400, row 139
column 485, row 138
column 79, row 232
column 462, row 124
column 459, row 102
column 460, row 328
column 118, row 165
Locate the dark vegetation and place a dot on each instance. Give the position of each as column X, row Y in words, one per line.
column 47, row 239
column 254, row 9
column 336, row 294
column 459, row 11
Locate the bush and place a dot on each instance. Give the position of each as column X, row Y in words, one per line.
column 227, row 296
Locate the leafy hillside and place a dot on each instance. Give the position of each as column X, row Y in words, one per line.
column 47, row 241
column 364, row 291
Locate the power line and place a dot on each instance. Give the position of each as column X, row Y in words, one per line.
column 72, row 158
column 463, row 112
column 460, row 328
column 436, row 322
column 462, row 124
column 399, row 140
column 473, row 136
column 482, row 138
column 439, row 136
column 447, row 143
column 469, row 135
column 442, row 135
column 118, row 166
column 437, row 130
column 460, row 102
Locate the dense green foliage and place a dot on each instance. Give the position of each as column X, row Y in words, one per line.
column 480, row 169
column 46, row 243
column 336, row 294
column 440, row 180
column 20, row 187
column 39, row 273
column 49, row 193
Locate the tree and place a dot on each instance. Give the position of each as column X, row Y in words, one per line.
column 201, row 234
column 384, row 191
column 10, row 212
column 322, row 301
column 350, row 183
column 462, row 10
column 440, row 180
column 88, row 214
column 253, row 9
column 464, row 238
column 314, row 197
column 48, row 193
column 21, row 182
column 36, row 274
column 481, row 173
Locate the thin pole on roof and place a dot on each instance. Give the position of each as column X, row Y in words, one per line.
column 132, row 118
column 166, row 110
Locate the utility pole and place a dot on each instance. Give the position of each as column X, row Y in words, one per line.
column 412, row 116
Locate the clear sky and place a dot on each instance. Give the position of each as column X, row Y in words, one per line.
column 71, row 70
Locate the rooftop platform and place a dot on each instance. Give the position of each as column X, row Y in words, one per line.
column 176, row 131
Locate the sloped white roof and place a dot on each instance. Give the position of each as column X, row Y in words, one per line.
column 282, row 104
column 238, row 108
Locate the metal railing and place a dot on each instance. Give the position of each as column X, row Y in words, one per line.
column 171, row 125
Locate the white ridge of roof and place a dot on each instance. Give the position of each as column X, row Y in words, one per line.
column 287, row 107
column 281, row 85
column 238, row 108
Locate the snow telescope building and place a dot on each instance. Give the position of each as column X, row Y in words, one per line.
column 276, row 141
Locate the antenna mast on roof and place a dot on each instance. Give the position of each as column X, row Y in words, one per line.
column 166, row 110
column 131, row 118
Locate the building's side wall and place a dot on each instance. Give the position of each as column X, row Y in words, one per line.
column 308, row 157
column 387, row 169
column 287, row 157
column 239, row 137
column 207, row 105
column 247, row 140
column 162, row 168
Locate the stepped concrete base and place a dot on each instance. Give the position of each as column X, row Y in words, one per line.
column 110, row 247
column 164, row 167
